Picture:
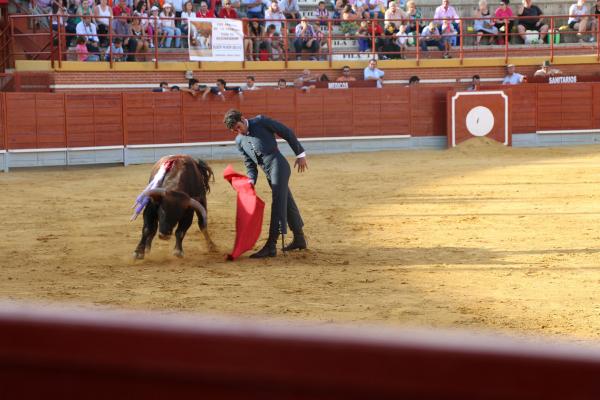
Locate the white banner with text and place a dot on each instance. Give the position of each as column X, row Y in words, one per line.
column 216, row 39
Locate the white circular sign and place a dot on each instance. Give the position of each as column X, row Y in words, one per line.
column 480, row 121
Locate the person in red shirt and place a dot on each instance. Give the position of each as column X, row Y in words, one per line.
column 204, row 12
column 121, row 9
column 227, row 11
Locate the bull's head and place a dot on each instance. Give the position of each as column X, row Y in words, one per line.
column 172, row 205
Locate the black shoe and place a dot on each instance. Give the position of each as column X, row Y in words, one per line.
column 299, row 243
column 268, row 250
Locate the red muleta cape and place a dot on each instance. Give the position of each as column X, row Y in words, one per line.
column 249, row 217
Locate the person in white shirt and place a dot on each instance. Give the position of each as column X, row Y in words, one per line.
column 87, row 29
column 250, row 85
column 373, row 73
column 578, row 19
column 274, row 16
column 512, row 78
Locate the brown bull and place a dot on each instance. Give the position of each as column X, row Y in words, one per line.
column 180, row 194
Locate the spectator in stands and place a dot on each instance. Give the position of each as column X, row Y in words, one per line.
column 349, row 24
column 321, row 42
column 376, row 8
column 178, row 9
column 227, row 11
column 389, row 47
column 402, row 41
column 194, row 88
column 290, row 9
column 512, row 77
column 85, row 8
column 413, row 80
column 139, row 43
column 414, row 17
column 219, row 90
column 102, row 15
column 372, row 73
column 155, row 27
column 42, row 7
column 484, row 25
column 338, row 9
column 594, row 20
column 115, row 50
column 447, row 12
column 163, row 87
column 531, row 20
column 545, row 70
column 504, row 20
column 346, row 77
column 253, row 40
column 141, row 12
column 274, row 16
column 305, row 39
column 254, row 9
column 281, row 84
column 82, row 51
column 394, row 15
column 364, row 37
column 87, row 30
column 448, row 37
column 578, row 19
column 475, row 83
column 276, row 49
column 250, row 84
column 175, row 88
column 430, row 36
column 121, row 10
column 204, row 11
column 167, row 26
column 359, row 6
column 306, row 79
column 322, row 14
column 188, row 12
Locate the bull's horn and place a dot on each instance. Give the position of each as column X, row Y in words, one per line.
column 156, row 193
column 195, row 204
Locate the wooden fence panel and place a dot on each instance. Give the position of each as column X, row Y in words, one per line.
column 338, row 119
column 2, row 121
column 108, row 119
column 167, row 118
column 218, row 132
column 281, row 105
column 79, row 118
column 196, row 119
column 139, row 117
column 549, row 103
column 310, row 113
column 524, row 108
column 576, row 107
column 366, row 111
column 22, row 123
column 422, row 111
column 596, row 105
column 395, row 111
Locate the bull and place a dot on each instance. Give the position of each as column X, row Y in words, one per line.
column 177, row 196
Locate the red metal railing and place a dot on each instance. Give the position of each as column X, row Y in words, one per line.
column 340, row 45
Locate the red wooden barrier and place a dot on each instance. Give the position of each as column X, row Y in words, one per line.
column 58, row 120
column 99, row 355
column 3, row 137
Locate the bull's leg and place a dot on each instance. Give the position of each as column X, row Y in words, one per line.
column 203, row 225
column 182, row 227
column 148, row 231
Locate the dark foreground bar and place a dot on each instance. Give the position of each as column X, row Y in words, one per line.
column 57, row 353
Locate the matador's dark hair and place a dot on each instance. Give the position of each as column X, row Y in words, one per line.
column 232, row 117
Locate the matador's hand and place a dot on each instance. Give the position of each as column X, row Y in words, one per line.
column 301, row 164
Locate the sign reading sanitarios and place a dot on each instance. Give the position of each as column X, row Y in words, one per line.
column 216, row 39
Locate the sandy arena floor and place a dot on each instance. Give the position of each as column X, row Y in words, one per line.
column 476, row 237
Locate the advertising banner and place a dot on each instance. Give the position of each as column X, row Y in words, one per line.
column 216, row 39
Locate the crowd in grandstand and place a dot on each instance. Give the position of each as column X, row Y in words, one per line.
column 273, row 27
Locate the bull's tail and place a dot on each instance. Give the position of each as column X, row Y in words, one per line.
column 207, row 174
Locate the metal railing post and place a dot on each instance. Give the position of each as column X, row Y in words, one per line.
column 51, row 33
column 461, row 39
column 551, row 38
column 285, row 42
column 418, row 43
column 110, row 40
column 329, row 42
column 506, row 39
